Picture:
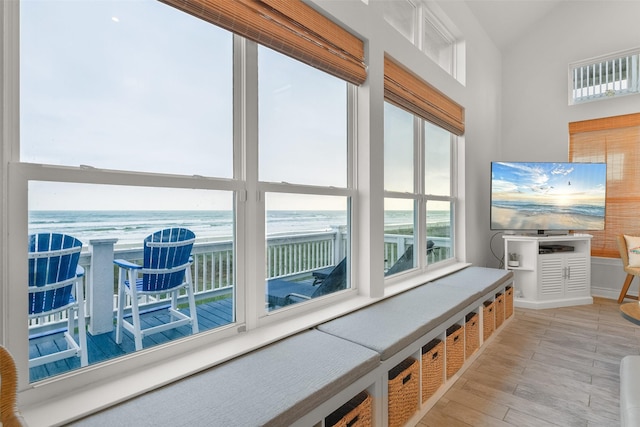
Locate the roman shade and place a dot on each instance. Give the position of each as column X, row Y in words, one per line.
column 413, row 94
column 616, row 141
column 290, row 27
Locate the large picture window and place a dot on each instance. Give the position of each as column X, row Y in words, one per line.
column 131, row 132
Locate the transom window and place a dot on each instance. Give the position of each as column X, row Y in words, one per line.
column 419, row 24
column 604, row 77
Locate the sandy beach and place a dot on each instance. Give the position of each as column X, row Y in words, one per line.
column 510, row 219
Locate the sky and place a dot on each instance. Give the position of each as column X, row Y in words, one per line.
column 137, row 85
column 530, row 180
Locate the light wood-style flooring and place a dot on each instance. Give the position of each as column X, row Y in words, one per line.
column 552, row 367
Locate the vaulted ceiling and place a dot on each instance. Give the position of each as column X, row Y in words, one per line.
column 506, row 21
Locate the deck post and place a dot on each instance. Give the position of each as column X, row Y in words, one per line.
column 100, row 288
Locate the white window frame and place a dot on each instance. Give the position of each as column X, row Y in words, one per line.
column 581, row 70
column 420, row 199
column 428, row 11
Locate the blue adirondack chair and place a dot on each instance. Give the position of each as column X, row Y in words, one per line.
column 166, row 269
column 55, row 285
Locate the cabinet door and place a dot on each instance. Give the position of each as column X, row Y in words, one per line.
column 551, row 277
column 577, row 277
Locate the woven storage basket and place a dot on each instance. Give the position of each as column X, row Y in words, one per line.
column 354, row 413
column 471, row 334
column 432, row 368
column 508, row 302
column 403, row 391
column 488, row 319
column 499, row 309
column 455, row 349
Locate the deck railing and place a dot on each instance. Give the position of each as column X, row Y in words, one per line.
column 213, row 274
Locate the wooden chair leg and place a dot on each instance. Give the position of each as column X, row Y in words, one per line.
column 625, row 289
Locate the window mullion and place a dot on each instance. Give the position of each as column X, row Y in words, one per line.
column 251, row 246
column 420, row 188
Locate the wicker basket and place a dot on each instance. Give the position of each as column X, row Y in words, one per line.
column 354, row 413
column 471, row 334
column 403, row 391
column 432, row 368
column 499, row 309
column 508, row 302
column 488, row 319
column 455, row 349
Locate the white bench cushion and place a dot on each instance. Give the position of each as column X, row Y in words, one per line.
column 394, row 323
column 273, row 386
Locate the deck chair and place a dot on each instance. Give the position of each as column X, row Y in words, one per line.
column 55, row 286
column 631, row 271
column 281, row 292
column 405, row 262
column 9, row 414
column 166, row 269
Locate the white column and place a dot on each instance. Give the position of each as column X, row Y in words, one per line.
column 100, row 287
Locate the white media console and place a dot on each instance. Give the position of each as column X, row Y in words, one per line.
column 549, row 271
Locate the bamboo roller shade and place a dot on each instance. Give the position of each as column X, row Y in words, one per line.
column 413, row 94
column 289, row 27
column 616, row 141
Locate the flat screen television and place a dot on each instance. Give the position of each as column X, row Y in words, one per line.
column 548, row 196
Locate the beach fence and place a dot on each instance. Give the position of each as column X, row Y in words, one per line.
column 287, row 255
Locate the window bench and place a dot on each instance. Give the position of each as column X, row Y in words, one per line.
column 302, row 379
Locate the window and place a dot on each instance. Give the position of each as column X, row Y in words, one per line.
column 437, row 43
column 303, row 123
column 420, row 127
column 406, row 134
column 117, row 219
column 401, row 15
column 307, row 247
column 303, row 145
column 112, row 105
column 399, row 183
column 398, row 149
column 439, row 148
column 604, row 77
column 131, row 129
column 418, row 22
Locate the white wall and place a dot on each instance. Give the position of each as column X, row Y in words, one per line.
column 482, row 98
column 535, row 100
column 535, row 110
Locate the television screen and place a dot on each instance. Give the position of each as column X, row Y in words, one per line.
column 548, row 196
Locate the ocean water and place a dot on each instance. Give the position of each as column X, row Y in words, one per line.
column 133, row 226
column 532, row 208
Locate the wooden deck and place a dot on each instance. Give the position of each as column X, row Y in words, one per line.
column 103, row 347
